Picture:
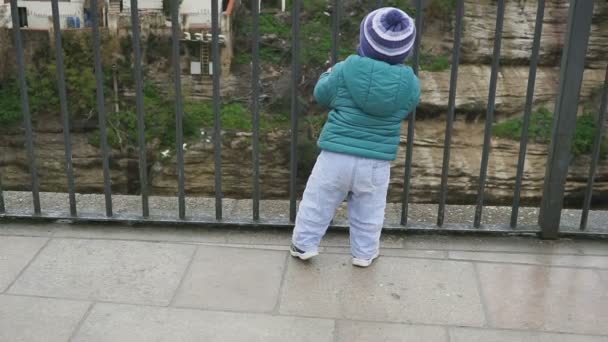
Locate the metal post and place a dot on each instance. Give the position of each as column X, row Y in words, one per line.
column 101, row 108
column 25, row 108
column 443, row 192
column 139, row 103
column 595, row 154
column 295, row 107
column 179, row 111
column 255, row 85
column 65, row 116
column 571, row 76
column 217, row 130
column 2, row 207
column 411, row 122
column 335, row 32
column 485, row 154
column 115, row 85
column 523, row 145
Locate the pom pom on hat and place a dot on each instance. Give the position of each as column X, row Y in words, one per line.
column 387, row 34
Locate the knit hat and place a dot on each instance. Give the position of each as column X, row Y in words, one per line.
column 387, row 34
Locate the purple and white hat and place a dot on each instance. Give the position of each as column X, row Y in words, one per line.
column 387, row 34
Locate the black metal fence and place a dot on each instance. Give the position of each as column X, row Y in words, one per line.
column 572, row 67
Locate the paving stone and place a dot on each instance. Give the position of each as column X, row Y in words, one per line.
column 123, row 271
column 396, row 252
column 392, row 290
column 166, row 234
column 20, row 229
column 110, row 322
column 349, row 331
column 491, row 244
column 478, row 335
column 534, row 259
column 27, row 319
column 544, row 298
column 260, row 237
column 233, row 279
column 592, row 247
column 283, row 237
column 15, row 253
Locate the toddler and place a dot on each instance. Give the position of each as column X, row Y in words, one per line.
column 369, row 95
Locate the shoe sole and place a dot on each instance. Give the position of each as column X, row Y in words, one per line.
column 364, row 263
column 302, row 256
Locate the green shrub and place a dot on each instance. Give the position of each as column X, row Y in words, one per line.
column 430, row 62
column 10, row 108
column 540, row 129
column 442, row 9
column 586, row 130
column 269, row 25
column 405, row 5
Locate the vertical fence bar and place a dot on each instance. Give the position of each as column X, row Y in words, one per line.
column 379, row 3
column 295, row 106
column 65, row 116
column 564, row 121
column 411, row 121
column 485, row 154
column 523, row 144
column 255, row 88
column 139, row 102
column 217, row 133
column 443, row 192
column 595, row 154
column 179, row 111
column 2, row 206
column 25, row 108
column 101, row 109
column 335, row 32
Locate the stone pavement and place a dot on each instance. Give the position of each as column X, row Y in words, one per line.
column 115, row 283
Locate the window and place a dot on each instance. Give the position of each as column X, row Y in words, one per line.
column 22, row 16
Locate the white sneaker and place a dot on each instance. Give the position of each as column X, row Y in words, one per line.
column 298, row 253
column 365, row 262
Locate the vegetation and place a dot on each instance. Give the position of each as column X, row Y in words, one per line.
column 122, row 125
column 541, row 124
column 442, row 9
column 431, row 62
column 42, row 82
column 269, row 52
column 10, row 109
column 160, row 120
column 316, row 34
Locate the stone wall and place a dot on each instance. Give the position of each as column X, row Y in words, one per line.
column 237, row 164
column 518, row 32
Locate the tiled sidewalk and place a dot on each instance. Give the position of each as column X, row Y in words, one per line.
column 100, row 283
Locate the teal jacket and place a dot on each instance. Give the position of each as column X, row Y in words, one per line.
column 369, row 100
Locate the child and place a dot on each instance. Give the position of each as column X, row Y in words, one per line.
column 369, row 95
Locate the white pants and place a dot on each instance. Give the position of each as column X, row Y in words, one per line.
column 336, row 177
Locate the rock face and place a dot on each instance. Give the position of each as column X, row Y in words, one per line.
column 237, row 171
column 237, row 167
column 473, row 85
column 14, row 167
column 518, row 32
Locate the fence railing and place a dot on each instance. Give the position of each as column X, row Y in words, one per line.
column 571, row 73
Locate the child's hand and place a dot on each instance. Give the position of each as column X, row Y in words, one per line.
column 329, row 70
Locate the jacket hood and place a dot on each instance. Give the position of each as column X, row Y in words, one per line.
column 378, row 88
